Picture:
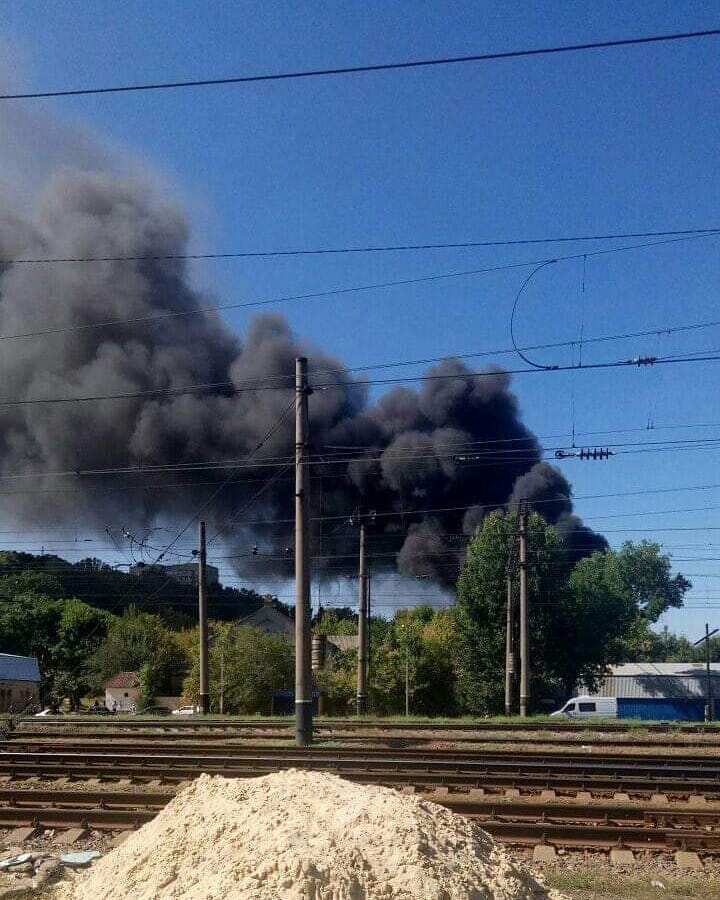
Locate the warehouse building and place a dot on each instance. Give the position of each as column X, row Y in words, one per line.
column 663, row 690
column 19, row 683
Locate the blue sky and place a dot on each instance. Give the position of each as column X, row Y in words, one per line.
column 590, row 143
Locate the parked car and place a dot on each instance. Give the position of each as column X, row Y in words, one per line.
column 185, row 711
column 99, row 710
column 155, row 711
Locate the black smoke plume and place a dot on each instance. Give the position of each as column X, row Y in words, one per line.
column 429, row 462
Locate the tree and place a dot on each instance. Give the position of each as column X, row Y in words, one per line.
column 422, row 637
column 646, row 575
column 80, row 628
column 481, row 608
column 60, row 633
column 596, row 613
column 140, row 641
column 247, row 665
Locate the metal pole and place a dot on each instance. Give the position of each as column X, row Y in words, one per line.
column 202, row 616
column 524, row 653
column 362, row 630
column 303, row 671
column 709, row 715
column 407, row 680
column 222, row 680
column 509, row 649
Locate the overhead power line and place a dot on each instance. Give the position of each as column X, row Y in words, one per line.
column 370, row 68
column 377, row 248
column 337, row 292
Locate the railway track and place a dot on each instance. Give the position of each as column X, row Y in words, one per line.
column 322, row 726
column 515, row 822
column 597, row 775
column 589, row 757
column 386, row 739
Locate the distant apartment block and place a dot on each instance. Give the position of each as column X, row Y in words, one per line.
column 184, row 573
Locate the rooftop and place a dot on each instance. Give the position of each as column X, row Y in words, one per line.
column 124, row 680
column 18, row 668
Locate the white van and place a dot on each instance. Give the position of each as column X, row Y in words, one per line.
column 588, row 707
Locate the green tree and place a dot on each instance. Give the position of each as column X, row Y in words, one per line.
column 246, row 665
column 596, row 613
column 60, row 633
column 646, row 573
column 140, row 641
column 481, row 609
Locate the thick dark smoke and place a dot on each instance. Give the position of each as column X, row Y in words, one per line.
column 430, row 462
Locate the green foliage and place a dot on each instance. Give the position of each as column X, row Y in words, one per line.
column 597, row 612
column 646, row 575
column 336, row 621
column 60, row 633
column 246, row 665
column 418, row 641
column 581, row 619
column 481, row 608
column 138, row 641
column 104, row 587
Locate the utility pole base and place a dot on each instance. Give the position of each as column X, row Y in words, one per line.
column 204, row 704
column 361, row 705
column 303, row 723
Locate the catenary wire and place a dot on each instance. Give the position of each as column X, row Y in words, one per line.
column 376, row 248
column 371, row 68
column 157, row 317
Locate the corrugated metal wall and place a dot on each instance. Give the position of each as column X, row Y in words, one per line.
column 658, row 686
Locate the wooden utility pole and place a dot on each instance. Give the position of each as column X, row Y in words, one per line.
column 203, row 620
column 303, row 651
column 509, row 648
column 524, row 642
column 362, row 629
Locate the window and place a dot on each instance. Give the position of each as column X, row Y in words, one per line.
column 126, row 694
column 570, row 707
column 587, row 707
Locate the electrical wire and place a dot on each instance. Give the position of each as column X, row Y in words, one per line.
column 370, row 68
column 315, row 295
column 377, row 248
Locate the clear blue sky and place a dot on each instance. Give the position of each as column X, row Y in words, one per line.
column 604, row 141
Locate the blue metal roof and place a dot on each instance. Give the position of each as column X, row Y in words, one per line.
column 18, row 668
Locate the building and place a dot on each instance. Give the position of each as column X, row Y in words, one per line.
column 184, row 573
column 270, row 620
column 19, row 683
column 667, row 690
column 123, row 692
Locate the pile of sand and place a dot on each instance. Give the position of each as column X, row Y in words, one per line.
column 304, row 835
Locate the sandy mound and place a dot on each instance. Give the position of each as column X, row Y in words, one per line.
column 304, row 835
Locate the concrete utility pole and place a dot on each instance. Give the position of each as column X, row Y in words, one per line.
column 303, row 650
column 524, row 648
column 509, row 648
column 203, row 619
column 362, row 629
column 709, row 699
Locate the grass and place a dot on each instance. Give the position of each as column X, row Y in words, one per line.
column 593, row 885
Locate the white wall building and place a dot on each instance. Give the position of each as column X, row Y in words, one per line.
column 123, row 692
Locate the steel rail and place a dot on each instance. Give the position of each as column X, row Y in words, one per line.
column 514, row 823
column 207, row 723
column 384, row 740
column 593, row 758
